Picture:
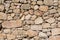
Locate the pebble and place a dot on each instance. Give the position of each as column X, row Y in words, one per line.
column 15, row 0
column 27, row 17
column 31, row 33
column 10, row 36
column 33, row 17
column 16, row 10
column 43, row 8
column 56, row 31
column 3, row 16
column 52, row 11
column 25, row 6
column 1, row 7
column 36, row 27
column 36, row 7
column 38, row 20
column 58, row 24
column 50, row 20
column 41, row 34
column 48, row 2
column 46, row 25
column 12, row 24
column 2, row 35
column 54, row 38
column 39, row 2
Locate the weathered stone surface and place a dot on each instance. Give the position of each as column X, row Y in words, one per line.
column 12, row 24
column 55, row 31
column 54, row 38
column 53, row 11
column 1, row 7
column 36, row 7
column 3, row 16
column 39, row 2
column 38, row 20
column 48, row 2
column 58, row 24
column 43, row 8
column 25, row 6
column 31, row 33
column 2, row 35
column 36, row 27
column 50, row 20
column 46, row 25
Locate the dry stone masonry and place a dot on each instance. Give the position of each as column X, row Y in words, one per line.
column 29, row 19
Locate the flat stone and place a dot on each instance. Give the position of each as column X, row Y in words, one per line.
column 43, row 8
column 38, row 20
column 55, row 31
column 48, row 2
column 31, row 33
column 54, row 38
column 41, row 34
column 3, row 16
column 53, row 11
column 50, row 20
column 36, row 27
column 25, row 6
column 33, row 17
column 15, row 0
column 12, row 24
column 2, row 35
column 36, row 7
column 27, row 17
column 58, row 24
column 10, row 36
column 16, row 10
column 1, row 7
column 39, row 2
column 46, row 25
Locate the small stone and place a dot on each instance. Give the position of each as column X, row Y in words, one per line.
column 50, row 20
column 33, row 17
column 39, row 2
column 31, row 11
column 25, row 6
column 38, row 13
column 3, row 16
column 10, row 36
column 48, row 2
column 52, row 11
column 36, row 27
column 7, row 31
column 38, row 20
column 27, row 17
column 15, row 0
column 58, row 10
column 12, row 24
column 31, row 33
column 58, row 24
column 36, row 7
column 56, row 31
column 16, row 10
column 2, row 35
column 54, row 38
column 1, row 7
column 43, row 8
column 9, row 18
column 34, row 2
column 41, row 34
column 46, row 25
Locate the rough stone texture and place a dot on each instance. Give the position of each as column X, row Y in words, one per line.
column 36, row 27
column 43, row 8
column 12, row 24
column 38, row 20
column 3, row 16
column 55, row 31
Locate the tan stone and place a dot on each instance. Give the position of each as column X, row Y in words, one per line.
column 3, row 15
column 55, row 31
column 33, row 17
column 16, row 10
column 31, row 33
column 46, row 25
column 58, row 24
column 43, row 8
column 10, row 36
column 54, row 38
column 15, row 0
column 39, row 2
column 12, row 24
column 1, row 7
column 2, row 35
